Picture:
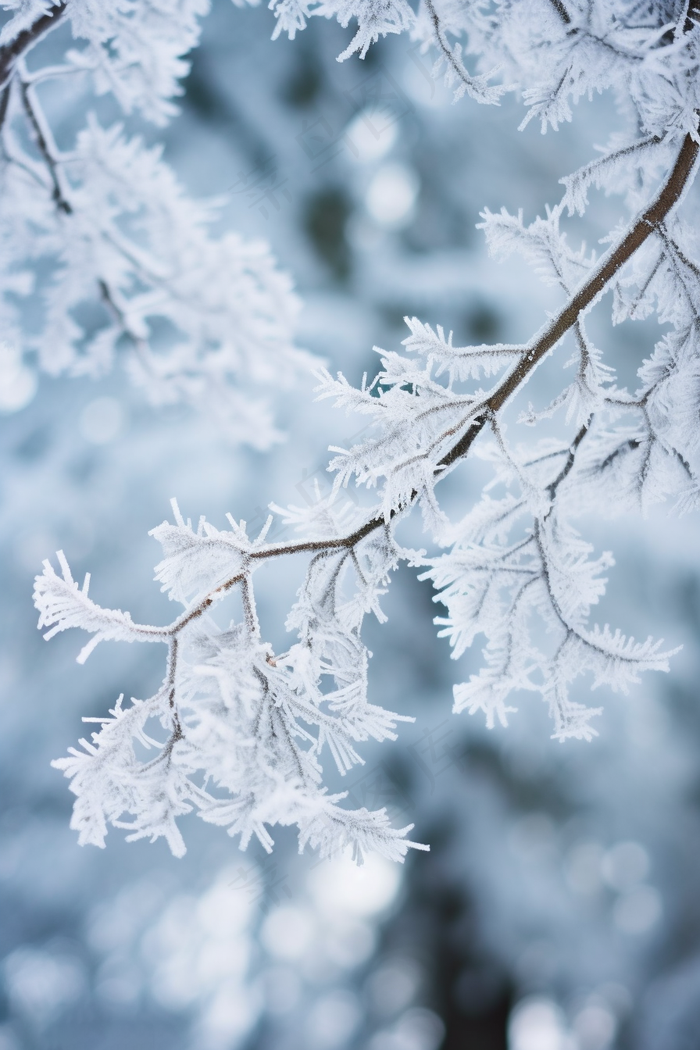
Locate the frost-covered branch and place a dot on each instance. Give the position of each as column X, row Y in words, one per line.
column 228, row 690
column 21, row 34
column 119, row 234
column 476, row 87
column 247, row 726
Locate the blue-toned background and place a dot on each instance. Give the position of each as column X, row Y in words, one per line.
column 558, row 903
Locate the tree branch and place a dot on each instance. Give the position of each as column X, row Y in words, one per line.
column 650, row 221
column 27, row 39
column 143, row 351
column 579, row 303
column 44, row 142
column 470, row 84
column 568, row 466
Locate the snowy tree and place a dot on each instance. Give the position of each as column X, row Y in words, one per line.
column 246, row 726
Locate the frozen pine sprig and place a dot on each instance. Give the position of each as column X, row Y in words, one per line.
column 244, row 730
column 527, row 583
column 63, row 604
column 194, row 562
column 542, row 243
column 460, row 363
column 632, row 165
column 415, row 418
column 325, row 516
column 108, row 779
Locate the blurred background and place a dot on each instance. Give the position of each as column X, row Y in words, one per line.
column 557, row 909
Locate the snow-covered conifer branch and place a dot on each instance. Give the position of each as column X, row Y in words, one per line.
column 248, row 727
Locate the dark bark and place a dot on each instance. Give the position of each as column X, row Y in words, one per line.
column 26, row 40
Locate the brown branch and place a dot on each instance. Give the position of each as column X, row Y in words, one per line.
column 586, row 296
column 647, row 223
column 192, row 614
column 611, row 263
column 27, row 39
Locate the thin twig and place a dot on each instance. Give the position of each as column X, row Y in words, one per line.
column 454, row 63
column 42, row 135
column 568, row 466
column 141, row 346
column 171, row 686
column 249, row 610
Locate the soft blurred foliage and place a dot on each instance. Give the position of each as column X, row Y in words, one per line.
column 557, row 909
